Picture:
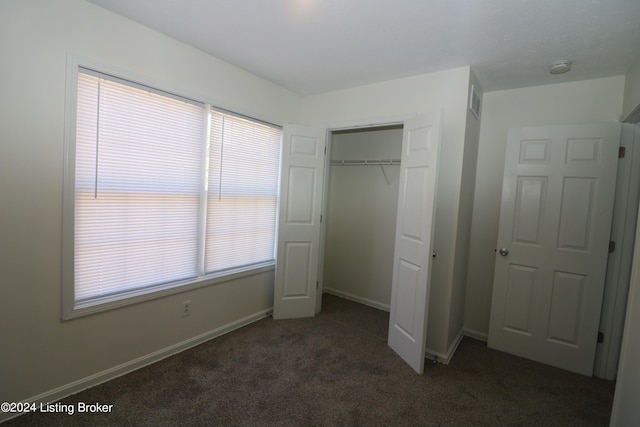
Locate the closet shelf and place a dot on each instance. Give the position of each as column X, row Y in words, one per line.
column 365, row 162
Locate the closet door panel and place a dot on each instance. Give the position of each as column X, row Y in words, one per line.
column 302, row 173
column 413, row 246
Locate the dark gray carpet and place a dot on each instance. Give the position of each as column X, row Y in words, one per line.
column 337, row 370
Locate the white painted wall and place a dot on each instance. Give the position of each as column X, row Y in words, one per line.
column 359, row 144
column 407, row 97
column 39, row 352
column 631, row 89
column 588, row 101
column 465, row 212
column 361, row 217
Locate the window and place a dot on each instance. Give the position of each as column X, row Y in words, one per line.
column 167, row 192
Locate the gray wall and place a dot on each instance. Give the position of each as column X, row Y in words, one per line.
column 589, row 101
column 40, row 353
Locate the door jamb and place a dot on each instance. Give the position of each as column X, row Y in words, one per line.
column 330, row 128
column 619, row 262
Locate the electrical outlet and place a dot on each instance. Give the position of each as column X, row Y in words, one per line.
column 186, row 308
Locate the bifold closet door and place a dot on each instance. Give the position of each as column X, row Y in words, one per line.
column 302, row 178
column 413, row 243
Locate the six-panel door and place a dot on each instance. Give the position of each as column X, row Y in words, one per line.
column 555, row 222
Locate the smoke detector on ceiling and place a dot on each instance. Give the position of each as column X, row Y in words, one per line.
column 560, row 67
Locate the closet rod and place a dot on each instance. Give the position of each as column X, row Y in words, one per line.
column 365, row 162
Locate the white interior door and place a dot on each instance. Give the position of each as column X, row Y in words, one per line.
column 413, row 242
column 301, row 181
column 555, row 222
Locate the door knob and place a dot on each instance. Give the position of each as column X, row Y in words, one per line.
column 504, row 251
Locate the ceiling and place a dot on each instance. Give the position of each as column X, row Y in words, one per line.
column 314, row 46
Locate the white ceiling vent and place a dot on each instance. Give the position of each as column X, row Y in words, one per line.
column 474, row 102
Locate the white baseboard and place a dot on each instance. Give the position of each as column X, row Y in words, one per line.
column 127, row 367
column 364, row 301
column 429, row 354
column 445, row 358
column 481, row 336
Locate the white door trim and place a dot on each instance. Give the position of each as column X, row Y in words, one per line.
column 625, row 212
column 333, row 127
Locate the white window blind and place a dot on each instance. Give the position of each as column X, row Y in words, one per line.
column 137, row 181
column 244, row 165
column 150, row 210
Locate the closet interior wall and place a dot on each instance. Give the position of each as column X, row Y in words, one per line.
column 362, row 204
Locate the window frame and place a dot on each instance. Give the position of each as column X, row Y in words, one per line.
column 70, row 308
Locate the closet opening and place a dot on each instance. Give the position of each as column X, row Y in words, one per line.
column 361, row 203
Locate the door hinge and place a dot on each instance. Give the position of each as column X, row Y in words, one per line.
column 316, row 284
column 612, row 246
column 621, row 152
column 600, row 336
column 325, row 150
column 320, row 218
